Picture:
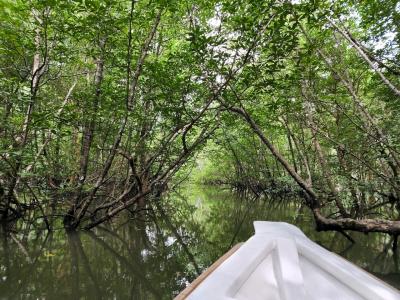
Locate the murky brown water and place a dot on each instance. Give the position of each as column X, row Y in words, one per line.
column 156, row 257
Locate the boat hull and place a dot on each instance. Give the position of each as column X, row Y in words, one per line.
column 280, row 263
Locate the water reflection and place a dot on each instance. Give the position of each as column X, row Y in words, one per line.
column 154, row 255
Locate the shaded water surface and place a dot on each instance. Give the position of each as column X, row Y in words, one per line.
column 156, row 254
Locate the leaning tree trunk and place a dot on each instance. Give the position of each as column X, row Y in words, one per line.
column 313, row 202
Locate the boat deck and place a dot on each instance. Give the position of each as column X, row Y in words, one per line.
column 280, row 263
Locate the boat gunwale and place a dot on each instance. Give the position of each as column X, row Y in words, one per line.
column 195, row 283
column 305, row 248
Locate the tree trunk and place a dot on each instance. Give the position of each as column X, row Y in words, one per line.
column 322, row 223
column 321, row 156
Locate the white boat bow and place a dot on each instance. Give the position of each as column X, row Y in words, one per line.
column 280, row 263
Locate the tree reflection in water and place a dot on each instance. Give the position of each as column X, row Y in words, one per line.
column 153, row 255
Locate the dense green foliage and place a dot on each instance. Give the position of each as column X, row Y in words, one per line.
column 104, row 102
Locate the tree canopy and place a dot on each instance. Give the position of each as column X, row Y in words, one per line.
column 106, row 104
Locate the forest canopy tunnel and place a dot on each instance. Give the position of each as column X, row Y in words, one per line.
column 104, row 102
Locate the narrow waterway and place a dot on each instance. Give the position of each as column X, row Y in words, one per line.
column 154, row 254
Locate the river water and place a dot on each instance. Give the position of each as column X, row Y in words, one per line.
column 155, row 254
